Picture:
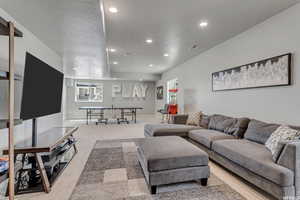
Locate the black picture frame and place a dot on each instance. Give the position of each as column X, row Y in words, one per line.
column 272, row 59
column 160, row 92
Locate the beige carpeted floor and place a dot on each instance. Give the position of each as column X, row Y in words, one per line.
column 88, row 135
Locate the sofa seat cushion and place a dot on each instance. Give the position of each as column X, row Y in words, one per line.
column 170, row 152
column 168, row 129
column 256, row 158
column 207, row 136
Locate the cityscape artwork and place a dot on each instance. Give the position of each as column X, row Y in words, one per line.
column 270, row 72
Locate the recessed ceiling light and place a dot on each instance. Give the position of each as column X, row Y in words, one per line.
column 203, row 24
column 166, row 55
column 113, row 10
column 112, row 50
column 115, row 63
column 151, row 65
column 149, row 41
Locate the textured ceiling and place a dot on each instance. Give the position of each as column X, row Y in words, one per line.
column 74, row 29
column 174, row 27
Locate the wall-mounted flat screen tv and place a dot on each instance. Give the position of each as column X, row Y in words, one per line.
column 42, row 89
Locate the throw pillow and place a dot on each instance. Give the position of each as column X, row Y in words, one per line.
column 259, row 131
column 228, row 125
column 204, row 121
column 281, row 134
column 194, row 118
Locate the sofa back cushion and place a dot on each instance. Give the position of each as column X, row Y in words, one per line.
column 204, row 121
column 228, row 125
column 259, row 131
column 295, row 127
column 220, row 122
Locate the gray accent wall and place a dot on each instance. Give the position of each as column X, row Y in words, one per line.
column 72, row 107
column 277, row 35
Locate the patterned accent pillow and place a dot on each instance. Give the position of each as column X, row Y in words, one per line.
column 281, row 134
column 194, row 119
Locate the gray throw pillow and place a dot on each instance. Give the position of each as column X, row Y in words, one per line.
column 229, row 126
column 223, row 123
column 216, row 122
column 204, row 121
column 259, row 132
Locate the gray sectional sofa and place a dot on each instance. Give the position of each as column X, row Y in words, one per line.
column 238, row 145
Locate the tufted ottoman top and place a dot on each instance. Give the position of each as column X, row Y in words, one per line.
column 170, row 152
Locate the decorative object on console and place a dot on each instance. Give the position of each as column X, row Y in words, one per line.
column 282, row 134
column 270, row 72
column 160, row 92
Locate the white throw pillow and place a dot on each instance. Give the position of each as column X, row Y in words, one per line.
column 281, row 134
column 194, row 118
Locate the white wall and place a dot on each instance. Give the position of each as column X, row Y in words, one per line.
column 33, row 45
column 147, row 103
column 278, row 35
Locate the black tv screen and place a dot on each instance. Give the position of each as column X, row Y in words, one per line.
column 42, row 89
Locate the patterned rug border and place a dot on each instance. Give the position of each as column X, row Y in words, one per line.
column 112, row 172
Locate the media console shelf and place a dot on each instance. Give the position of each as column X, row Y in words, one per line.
column 44, row 163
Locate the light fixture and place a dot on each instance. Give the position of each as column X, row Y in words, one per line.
column 166, row 55
column 203, row 24
column 112, row 50
column 151, row 65
column 149, row 40
column 113, row 10
column 115, row 63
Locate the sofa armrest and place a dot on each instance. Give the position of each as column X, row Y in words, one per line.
column 179, row 119
column 290, row 158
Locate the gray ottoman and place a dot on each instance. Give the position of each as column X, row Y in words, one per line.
column 172, row 159
column 153, row 130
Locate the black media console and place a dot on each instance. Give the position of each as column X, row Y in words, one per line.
column 44, row 162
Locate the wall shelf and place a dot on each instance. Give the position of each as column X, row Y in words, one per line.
column 4, row 28
column 4, row 123
column 5, row 76
column 8, row 29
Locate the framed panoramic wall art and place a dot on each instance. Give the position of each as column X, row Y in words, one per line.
column 270, row 72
